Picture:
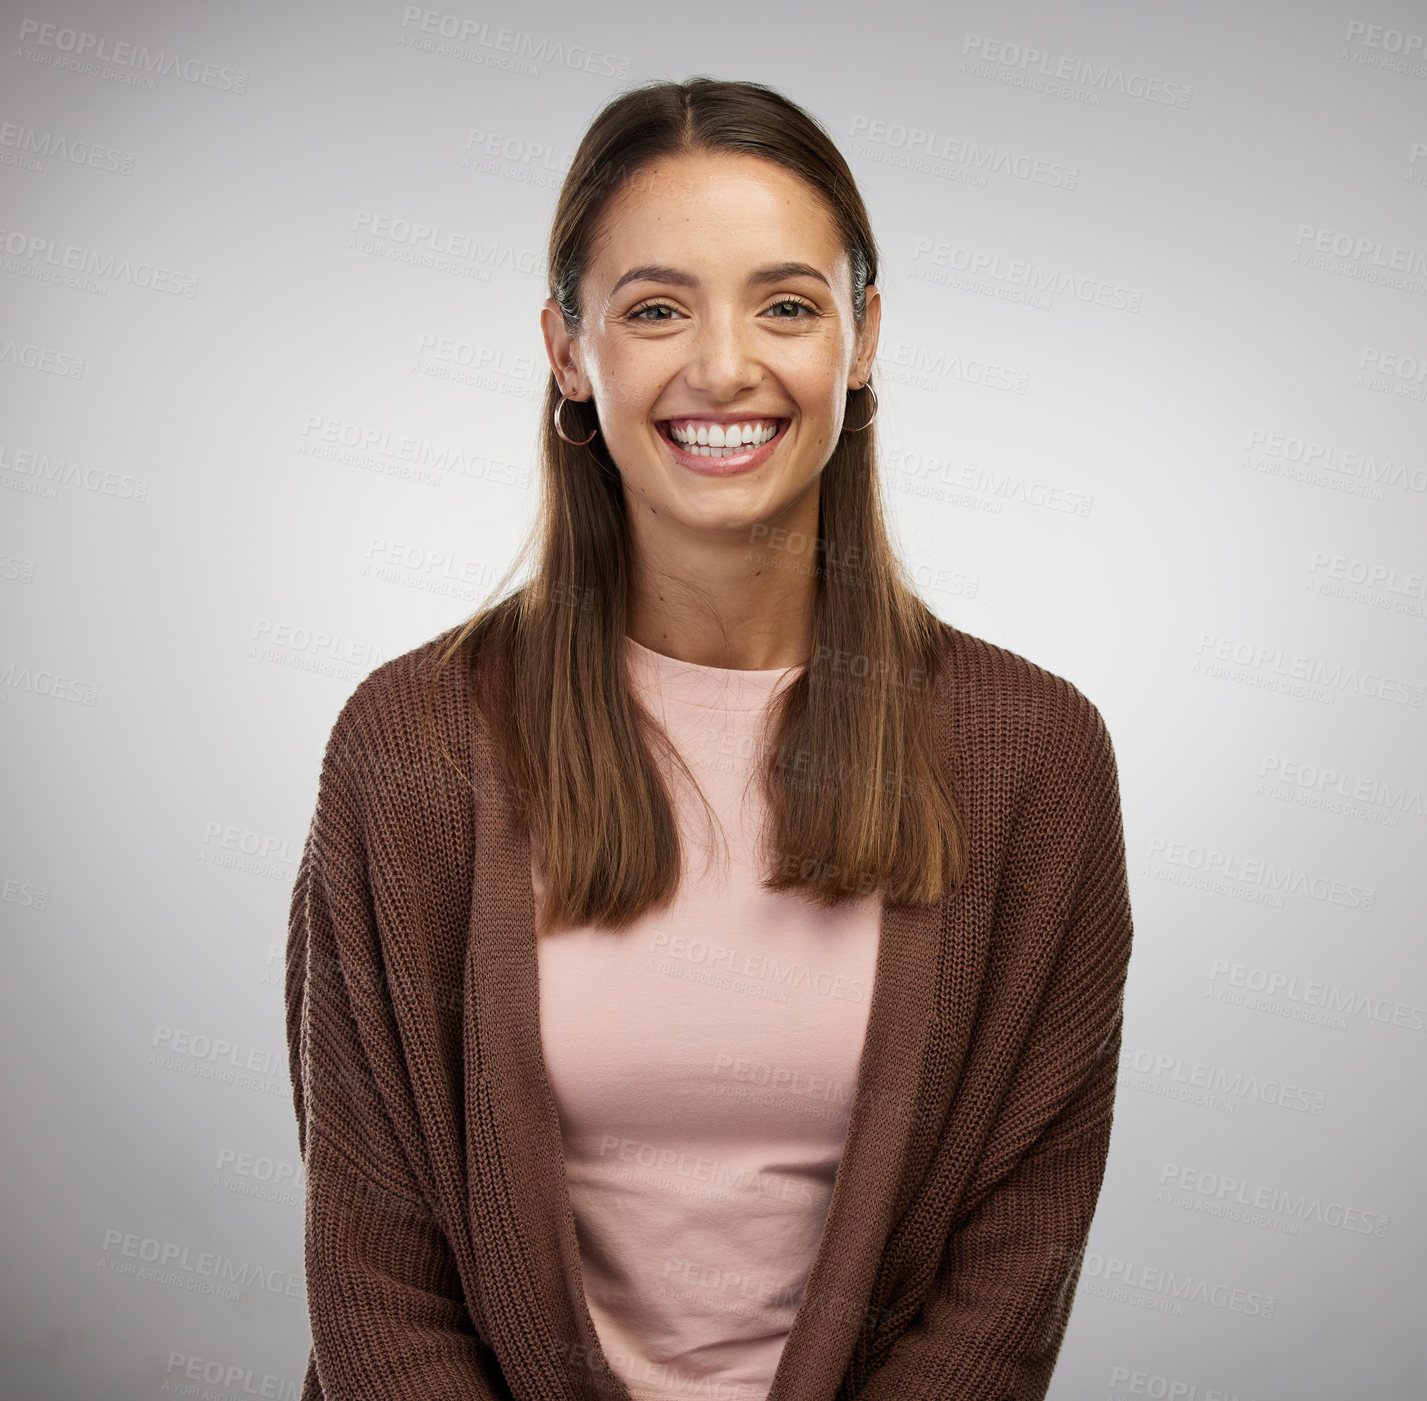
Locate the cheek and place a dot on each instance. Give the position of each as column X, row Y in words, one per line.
column 631, row 385
column 820, row 405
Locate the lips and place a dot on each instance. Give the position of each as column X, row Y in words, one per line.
column 747, row 459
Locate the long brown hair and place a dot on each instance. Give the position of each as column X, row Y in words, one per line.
column 858, row 798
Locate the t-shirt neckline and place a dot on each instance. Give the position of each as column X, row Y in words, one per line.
column 714, row 687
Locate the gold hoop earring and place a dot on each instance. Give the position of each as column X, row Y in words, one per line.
column 561, row 431
column 868, row 387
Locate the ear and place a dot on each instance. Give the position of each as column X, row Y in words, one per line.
column 867, row 336
column 562, row 349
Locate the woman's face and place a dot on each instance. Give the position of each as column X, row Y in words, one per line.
column 696, row 321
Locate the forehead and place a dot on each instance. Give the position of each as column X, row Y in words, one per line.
column 717, row 215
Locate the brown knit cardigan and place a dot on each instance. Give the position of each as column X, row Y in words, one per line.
column 441, row 1254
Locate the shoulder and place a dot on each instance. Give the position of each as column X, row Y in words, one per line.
column 1016, row 713
column 390, row 733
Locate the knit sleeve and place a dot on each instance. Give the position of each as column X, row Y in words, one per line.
column 992, row 1323
column 388, row 1317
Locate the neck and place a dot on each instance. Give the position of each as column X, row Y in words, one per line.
column 744, row 602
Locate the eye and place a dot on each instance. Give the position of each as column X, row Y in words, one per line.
column 794, row 302
column 638, row 313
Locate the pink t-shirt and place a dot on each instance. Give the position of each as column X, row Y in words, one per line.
column 704, row 1062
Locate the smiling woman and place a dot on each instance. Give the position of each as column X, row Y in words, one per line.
column 828, row 1121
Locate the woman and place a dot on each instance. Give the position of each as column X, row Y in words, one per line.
column 828, row 1118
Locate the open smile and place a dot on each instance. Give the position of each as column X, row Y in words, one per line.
column 714, row 459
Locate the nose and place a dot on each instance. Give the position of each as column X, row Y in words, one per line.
column 723, row 359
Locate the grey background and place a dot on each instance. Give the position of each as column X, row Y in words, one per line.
column 308, row 448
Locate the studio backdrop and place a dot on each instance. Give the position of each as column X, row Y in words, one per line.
column 1153, row 386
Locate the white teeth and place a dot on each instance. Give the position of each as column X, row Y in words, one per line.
column 716, row 439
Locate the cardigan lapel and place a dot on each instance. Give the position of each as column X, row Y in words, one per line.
column 521, row 1219
column 860, row 1214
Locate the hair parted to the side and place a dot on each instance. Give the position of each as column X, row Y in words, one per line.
column 858, row 797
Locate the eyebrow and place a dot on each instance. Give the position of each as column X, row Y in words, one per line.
column 774, row 272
